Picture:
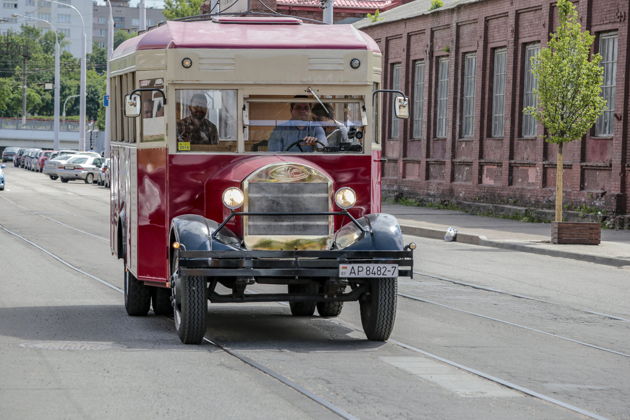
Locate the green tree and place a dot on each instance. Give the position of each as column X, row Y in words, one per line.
column 97, row 60
column 569, row 87
column 436, row 4
column 121, row 36
column 175, row 9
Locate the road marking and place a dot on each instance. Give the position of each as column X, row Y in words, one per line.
column 450, row 378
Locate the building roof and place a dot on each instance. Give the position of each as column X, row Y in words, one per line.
column 410, row 10
column 249, row 33
column 343, row 4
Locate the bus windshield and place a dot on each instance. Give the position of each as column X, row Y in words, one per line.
column 304, row 125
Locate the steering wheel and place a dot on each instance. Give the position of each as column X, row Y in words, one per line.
column 297, row 143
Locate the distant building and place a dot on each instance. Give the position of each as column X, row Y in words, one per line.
column 125, row 18
column 65, row 19
column 466, row 69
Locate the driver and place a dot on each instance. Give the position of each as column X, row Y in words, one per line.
column 299, row 128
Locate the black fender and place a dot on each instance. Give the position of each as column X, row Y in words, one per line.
column 194, row 232
column 381, row 232
column 121, row 235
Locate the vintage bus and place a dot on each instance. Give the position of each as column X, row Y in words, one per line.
column 246, row 167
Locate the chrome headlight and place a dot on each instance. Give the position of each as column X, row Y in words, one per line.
column 345, row 197
column 233, row 198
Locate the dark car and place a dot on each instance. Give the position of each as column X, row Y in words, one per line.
column 17, row 158
column 8, row 153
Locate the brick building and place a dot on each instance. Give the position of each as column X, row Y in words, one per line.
column 466, row 69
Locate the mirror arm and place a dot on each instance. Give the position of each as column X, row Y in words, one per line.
column 149, row 90
column 399, row 92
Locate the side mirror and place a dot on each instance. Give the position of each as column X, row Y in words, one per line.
column 401, row 107
column 132, row 106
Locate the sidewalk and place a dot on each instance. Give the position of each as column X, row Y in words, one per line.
column 613, row 250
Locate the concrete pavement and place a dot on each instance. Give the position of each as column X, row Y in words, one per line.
column 613, row 250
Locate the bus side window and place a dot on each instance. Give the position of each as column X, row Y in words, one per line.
column 206, row 120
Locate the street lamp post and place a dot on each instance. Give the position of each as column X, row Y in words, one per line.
column 83, row 80
column 57, row 79
column 64, row 106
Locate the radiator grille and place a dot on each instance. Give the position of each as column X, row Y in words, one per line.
column 288, row 197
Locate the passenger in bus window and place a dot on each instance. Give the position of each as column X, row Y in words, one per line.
column 196, row 128
column 300, row 128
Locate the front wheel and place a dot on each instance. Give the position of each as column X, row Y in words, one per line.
column 53, row 177
column 64, row 180
column 378, row 308
column 190, row 308
column 137, row 296
column 89, row 179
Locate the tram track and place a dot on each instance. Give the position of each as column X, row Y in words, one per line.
column 305, row 392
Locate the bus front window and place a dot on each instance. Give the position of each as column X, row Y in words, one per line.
column 302, row 125
column 206, row 120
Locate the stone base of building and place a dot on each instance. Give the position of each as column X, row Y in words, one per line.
column 575, row 233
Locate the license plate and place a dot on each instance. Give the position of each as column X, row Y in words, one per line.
column 368, row 270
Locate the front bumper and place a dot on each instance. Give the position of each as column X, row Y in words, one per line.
column 287, row 264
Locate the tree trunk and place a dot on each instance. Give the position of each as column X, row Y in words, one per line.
column 559, row 185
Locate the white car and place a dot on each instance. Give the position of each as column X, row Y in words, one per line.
column 80, row 166
column 2, row 166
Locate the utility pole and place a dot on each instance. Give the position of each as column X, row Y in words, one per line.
column 25, row 60
column 143, row 16
column 327, row 6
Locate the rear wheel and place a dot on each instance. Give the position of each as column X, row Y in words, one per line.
column 161, row 301
column 302, row 308
column 64, row 180
column 53, row 177
column 89, row 179
column 329, row 309
column 378, row 308
column 137, row 296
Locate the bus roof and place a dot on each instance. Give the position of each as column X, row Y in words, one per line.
column 248, row 34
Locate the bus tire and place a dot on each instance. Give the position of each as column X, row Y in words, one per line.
column 161, row 301
column 378, row 308
column 329, row 309
column 302, row 308
column 137, row 296
column 190, row 309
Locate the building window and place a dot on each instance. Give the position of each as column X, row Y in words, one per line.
column 418, row 99
column 395, row 126
column 102, row 32
column 442, row 98
column 498, row 92
column 30, row 2
column 468, row 94
column 44, row 16
column 119, row 22
column 135, row 22
column 7, row 5
column 65, row 32
column 608, row 51
column 63, row 1
column 63, row 18
column 102, row 20
column 528, row 130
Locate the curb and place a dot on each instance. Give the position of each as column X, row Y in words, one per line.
column 467, row 238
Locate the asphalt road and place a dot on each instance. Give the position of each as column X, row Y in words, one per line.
column 481, row 333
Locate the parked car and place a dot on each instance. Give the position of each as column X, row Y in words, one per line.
column 8, row 153
column 51, row 165
column 81, row 166
column 2, row 166
column 17, row 158
column 29, row 158
column 103, row 175
column 43, row 157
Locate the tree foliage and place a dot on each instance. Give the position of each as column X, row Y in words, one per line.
column 569, row 90
column 175, row 9
column 30, row 53
column 569, row 80
column 121, row 36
